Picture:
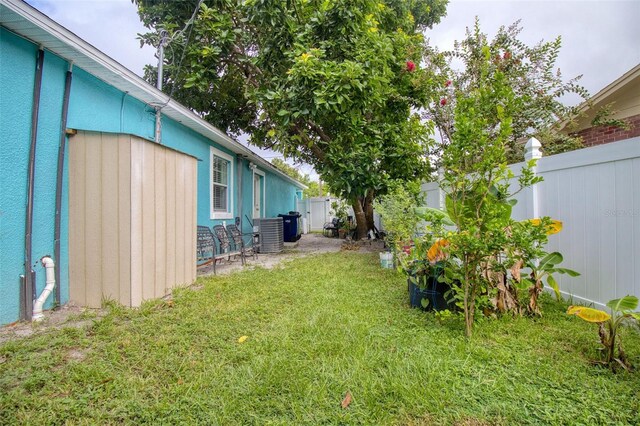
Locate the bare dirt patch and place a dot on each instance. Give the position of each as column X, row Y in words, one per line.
column 68, row 315
column 76, row 354
column 309, row 244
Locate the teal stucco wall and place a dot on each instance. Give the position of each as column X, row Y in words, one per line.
column 280, row 195
column 95, row 106
column 17, row 79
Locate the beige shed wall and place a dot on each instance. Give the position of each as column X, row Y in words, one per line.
column 132, row 219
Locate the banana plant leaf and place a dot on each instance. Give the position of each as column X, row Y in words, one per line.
column 554, row 285
column 425, row 213
column 588, row 314
column 524, row 283
column 569, row 272
column 627, row 303
column 549, row 261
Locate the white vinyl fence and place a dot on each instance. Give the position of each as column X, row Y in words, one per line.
column 317, row 211
column 595, row 192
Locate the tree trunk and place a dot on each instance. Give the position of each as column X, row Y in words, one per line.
column 368, row 210
column 467, row 318
column 534, row 293
column 361, row 219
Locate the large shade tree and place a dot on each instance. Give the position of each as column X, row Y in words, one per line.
column 332, row 83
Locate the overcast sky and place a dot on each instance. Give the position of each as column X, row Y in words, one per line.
column 600, row 39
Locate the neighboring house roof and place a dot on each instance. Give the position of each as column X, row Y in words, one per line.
column 623, row 93
column 32, row 24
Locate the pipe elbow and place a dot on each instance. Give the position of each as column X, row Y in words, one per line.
column 38, row 305
column 47, row 262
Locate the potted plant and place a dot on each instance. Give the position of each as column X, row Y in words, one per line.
column 341, row 213
column 399, row 218
column 418, row 254
column 424, row 267
column 343, row 231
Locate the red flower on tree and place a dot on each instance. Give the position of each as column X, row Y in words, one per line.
column 411, row 67
column 443, row 101
column 448, row 83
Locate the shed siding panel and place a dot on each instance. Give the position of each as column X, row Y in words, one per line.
column 135, row 206
column 136, row 221
column 108, row 233
column 180, row 222
column 148, row 221
column 170, row 209
column 190, row 235
column 77, row 179
column 160, row 211
column 93, row 218
column 124, row 218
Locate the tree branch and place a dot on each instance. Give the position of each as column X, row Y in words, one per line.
column 319, row 131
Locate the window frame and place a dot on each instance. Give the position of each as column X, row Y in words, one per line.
column 228, row 214
column 263, row 197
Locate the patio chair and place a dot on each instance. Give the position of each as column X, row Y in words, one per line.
column 330, row 229
column 240, row 240
column 206, row 248
column 227, row 248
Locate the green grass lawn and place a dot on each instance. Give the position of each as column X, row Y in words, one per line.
column 317, row 328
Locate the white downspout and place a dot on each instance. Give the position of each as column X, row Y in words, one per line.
column 47, row 262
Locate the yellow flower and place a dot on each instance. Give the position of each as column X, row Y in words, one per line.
column 435, row 253
column 553, row 228
column 242, row 339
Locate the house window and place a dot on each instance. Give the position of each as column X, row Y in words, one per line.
column 221, row 185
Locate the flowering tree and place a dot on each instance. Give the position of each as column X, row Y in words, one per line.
column 334, row 84
column 478, row 184
column 529, row 71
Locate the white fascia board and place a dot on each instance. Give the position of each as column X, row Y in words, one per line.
column 605, row 92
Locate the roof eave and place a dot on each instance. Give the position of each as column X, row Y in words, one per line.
column 115, row 74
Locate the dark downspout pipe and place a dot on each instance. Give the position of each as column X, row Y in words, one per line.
column 29, row 282
column 61, row 150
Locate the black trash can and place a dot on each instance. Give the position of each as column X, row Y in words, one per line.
column 290, row 227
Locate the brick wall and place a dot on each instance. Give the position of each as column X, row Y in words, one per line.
column 606, row 134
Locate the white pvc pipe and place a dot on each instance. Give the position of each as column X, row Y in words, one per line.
column 47, row 262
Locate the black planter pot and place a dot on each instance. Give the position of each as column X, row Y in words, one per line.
column 428, row 287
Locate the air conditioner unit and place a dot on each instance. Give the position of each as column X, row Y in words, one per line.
column 271, row 234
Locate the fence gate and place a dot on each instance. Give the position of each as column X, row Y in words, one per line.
column 317, row 210
column 318, row 213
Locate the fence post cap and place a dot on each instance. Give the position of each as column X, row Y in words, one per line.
column 532, row 149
